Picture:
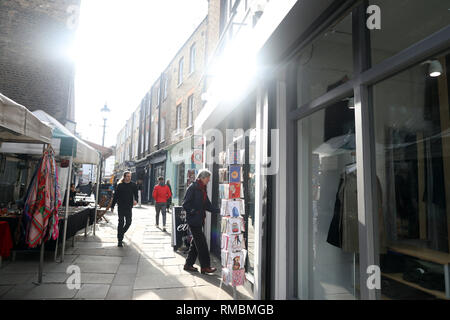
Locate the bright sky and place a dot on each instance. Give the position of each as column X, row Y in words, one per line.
column 121, row 48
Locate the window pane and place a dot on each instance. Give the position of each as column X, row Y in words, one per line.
column 326, row 63
column 405, row 22
column 328, row 243
column 412, row 125
column 180, row 71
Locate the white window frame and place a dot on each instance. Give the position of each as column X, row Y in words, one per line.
column 192, row 52
column 190, row 111
column 180, row 71
column 163, row 130
column 178, row 118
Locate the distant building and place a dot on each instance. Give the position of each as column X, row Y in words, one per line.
column 35, row 68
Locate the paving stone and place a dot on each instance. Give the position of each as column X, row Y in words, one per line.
column 93, row 291
column 164, row 282
column 97, row 278
column 211, row 293
column 55, row 277
column 164, row 294
column 4, row 289
column 18, row 292
column 127, row 268
column 120, row 293
column 17, row 278
column 126, row 279
column 51, row 291
column 20, row 267
column 94, row 259
column 98, row 267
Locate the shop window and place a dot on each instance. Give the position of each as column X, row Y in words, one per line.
column 328, row 228
column 326, row 63
column 403, row 23
column 412, row 124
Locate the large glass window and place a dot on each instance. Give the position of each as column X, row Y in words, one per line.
column 405, row 22
column 326, row 63
column 328, row 244
column 412, row 126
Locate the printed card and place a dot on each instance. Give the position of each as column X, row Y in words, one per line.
column 235, row 174
column 234, row 190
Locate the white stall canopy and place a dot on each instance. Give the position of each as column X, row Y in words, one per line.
column 63, row 142
column 18, row 124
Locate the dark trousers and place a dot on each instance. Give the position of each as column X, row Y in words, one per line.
column 124, row 214
column 199, row 248
column 161, row 207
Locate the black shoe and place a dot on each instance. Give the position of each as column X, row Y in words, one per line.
column 164, row 229
column 120, row 244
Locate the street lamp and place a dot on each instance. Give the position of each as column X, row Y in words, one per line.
column 105, row 110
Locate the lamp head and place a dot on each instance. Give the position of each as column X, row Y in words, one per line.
column 434, row 68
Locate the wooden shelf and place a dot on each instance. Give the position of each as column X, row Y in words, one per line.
column 399, row 278
column 422, row 253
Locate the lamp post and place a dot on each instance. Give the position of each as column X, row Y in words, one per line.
column 105, row 110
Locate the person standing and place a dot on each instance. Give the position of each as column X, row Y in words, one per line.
column 169, row 201
column 195, row 203
column 161, row 193
column 125, row 196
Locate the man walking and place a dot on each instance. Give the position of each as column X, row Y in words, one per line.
column 161, row 193
column 195, row 203
column 125, row 196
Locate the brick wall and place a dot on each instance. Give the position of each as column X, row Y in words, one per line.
column 34, row 70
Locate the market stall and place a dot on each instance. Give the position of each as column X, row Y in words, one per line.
column 66, row 147
column 21, row 127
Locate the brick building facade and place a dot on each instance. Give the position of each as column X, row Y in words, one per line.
column 35, row 69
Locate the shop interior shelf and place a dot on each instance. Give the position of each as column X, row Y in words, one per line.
column 399, row 277
column 422, row 253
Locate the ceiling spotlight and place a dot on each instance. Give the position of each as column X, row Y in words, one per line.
column 435, row 68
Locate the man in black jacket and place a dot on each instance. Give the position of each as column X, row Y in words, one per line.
column 195, row 203
column 123, row 196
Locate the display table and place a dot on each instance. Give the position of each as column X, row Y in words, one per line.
column 5, row 240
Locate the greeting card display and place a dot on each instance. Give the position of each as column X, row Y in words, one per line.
column 232, row 208
column 223, row 175
column 234, row 191
column 233, row 260
column 235, row 174
column 235, row 208
column 233, row 156
column 232, row 225
column 224, row 191
column 233, row 243
column 233, row 277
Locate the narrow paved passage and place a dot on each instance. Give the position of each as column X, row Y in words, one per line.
column 145, row 268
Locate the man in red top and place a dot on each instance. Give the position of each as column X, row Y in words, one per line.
column 161, row 193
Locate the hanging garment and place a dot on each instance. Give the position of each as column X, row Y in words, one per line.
column 344, row 227
column 42, row 203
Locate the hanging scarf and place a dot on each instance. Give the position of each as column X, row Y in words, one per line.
column 42, row 203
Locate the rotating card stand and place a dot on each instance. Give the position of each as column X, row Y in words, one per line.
column 233, row 253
